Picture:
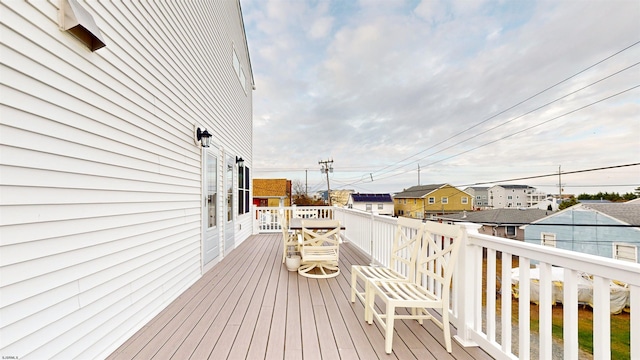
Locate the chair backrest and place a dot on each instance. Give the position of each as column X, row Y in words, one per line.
column 437, row 257
column 284, row 224
column 328, row 236
column 406, row 243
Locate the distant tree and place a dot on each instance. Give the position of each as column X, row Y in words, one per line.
column 299, row 196
column 298, row 188
column 568, row 203
column 302, row 199
column 614, row 196
column 585, row 197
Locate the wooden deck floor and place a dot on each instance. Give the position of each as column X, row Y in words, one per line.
column 236, row 312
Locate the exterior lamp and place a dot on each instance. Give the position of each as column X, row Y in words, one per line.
column 204, row 137
column 239, row 161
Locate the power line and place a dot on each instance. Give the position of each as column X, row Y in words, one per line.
column 523, row 101
column 522, row 115
column 525, row 129
column 364, row 178
column 556, row 174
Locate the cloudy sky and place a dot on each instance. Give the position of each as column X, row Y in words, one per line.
column 469, row 92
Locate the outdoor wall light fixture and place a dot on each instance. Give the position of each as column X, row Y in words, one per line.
column 239, row 161
column 204, row 137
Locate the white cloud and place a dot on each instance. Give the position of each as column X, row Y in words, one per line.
column 376, row 82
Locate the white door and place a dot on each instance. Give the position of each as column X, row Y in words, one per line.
column 229, row 233
column 211, row 239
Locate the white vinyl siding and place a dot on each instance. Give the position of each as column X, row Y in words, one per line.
column 101, row 180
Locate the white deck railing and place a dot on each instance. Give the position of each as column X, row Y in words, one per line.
column 486, row 326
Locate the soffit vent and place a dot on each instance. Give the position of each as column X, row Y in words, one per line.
column 79, row 22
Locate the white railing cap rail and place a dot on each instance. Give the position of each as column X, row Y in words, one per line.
column 624, row 271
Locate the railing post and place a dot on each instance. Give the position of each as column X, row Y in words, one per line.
column 464, row 288
column 371, row 230
column 256, row 220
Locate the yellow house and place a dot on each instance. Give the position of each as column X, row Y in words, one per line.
column 424, row 200
column 271, row 192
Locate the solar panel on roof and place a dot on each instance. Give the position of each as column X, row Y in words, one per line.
column 372, row 197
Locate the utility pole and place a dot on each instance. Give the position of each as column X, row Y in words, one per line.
column 560, row 182
column 326, row 168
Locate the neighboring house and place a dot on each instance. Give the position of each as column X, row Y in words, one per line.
column 550, row 204
column 340, row 197
column 514, row 196
column 111, row 208
column 609, row 230
column 480, row 196
column 504, row 223
column 423, row 201
column 381, row 204
column 271, row 192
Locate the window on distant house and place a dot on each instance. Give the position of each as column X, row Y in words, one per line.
column 548, row 239
column 465, row 200
column 415, row 201
column 432, row 200
column 380, row 206
column 511, row 231
column 509, row 197
column 625, row 252
column 444, row 200
column 368, row 207
column 478, row 197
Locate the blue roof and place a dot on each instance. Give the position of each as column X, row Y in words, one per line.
column 372, row 197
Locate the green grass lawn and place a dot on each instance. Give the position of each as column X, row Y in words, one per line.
column 620, row 323
column 620, row 329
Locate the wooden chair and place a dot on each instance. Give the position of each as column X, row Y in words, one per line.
column 320, row 249
column 402, row 261
column 431, row 290
column 288, row 238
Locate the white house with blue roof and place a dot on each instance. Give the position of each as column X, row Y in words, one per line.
column 381, row 204
column 610, row 230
